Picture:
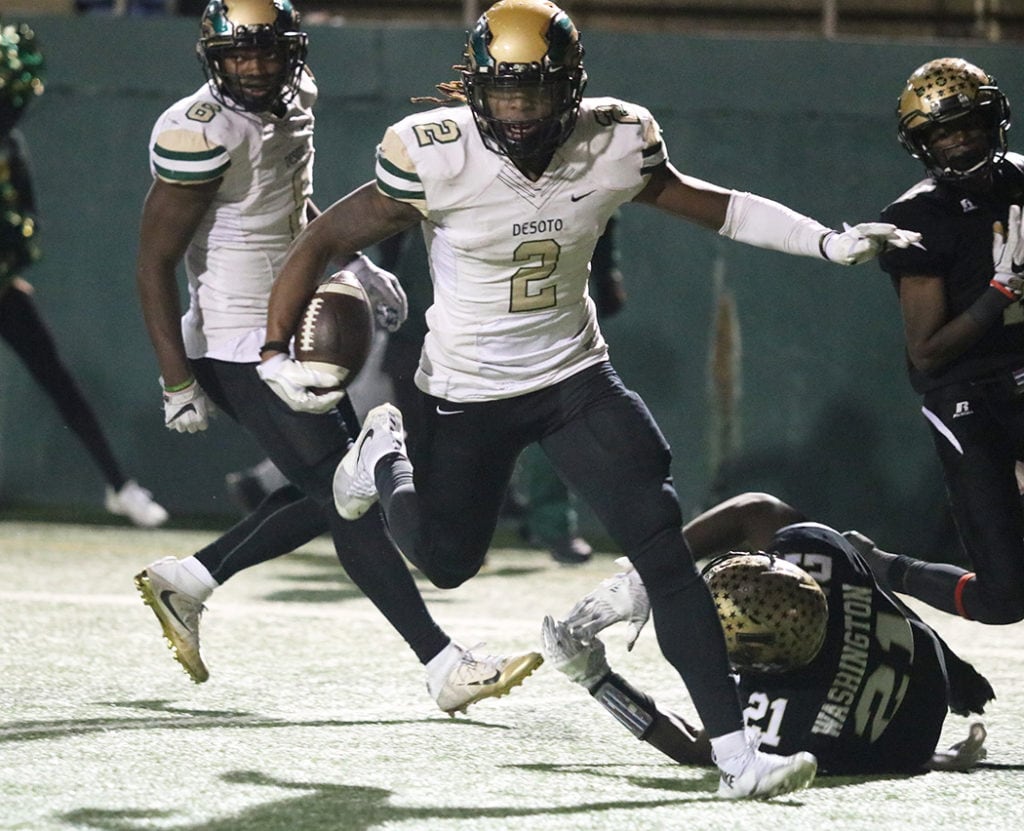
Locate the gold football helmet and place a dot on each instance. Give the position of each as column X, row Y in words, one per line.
column 229, row 25
column 952, row 93
column 773, row 613
column 524, row 77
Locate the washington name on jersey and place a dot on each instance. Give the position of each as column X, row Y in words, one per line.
column 875, row 696
column 510, row 257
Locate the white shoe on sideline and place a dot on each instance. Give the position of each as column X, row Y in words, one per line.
column 136, row 503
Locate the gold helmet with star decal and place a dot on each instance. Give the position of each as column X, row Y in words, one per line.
column 773, row 613
column 949, row 94
column 524, row 77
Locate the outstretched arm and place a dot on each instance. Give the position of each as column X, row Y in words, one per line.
column 752, row 219
column 745, row 522
column 585, row 664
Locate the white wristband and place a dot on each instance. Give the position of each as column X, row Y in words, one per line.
column 755, row 220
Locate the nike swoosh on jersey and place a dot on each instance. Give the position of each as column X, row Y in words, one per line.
column 577, row 198
column 448, row 412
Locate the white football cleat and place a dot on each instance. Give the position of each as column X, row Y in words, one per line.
column 463, row 678
column 177, row 611
column 355, row 490
column 756, row 775
column 136, row 503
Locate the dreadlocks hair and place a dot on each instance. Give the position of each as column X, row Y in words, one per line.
column 453, row 91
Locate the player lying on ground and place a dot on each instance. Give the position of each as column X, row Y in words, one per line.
column 826, row 661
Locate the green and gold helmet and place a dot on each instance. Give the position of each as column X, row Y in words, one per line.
column 231, row 25
column 773, row 613
column 528, row 49
column 950, row 92
column 21, row 72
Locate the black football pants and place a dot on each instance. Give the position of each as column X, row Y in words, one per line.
column 607, row 447
column 978, row 431
column 307, row 448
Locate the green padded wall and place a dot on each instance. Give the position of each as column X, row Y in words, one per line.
column 765, row 371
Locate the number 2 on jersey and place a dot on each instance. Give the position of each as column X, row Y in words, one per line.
column 542, row 256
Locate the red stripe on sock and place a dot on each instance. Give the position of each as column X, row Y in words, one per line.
column 958, row 595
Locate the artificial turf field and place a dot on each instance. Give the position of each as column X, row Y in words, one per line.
column 316, row 718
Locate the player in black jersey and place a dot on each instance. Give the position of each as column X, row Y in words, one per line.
column 959, row 293
column 827, row 661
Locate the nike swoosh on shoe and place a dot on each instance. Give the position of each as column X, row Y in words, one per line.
column 165, row 599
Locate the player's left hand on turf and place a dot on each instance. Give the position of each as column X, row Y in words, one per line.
column 965, row 755
column 582, row 663
column 621, row 598
column 860, row 243
column 297, row 385
column 387, row 297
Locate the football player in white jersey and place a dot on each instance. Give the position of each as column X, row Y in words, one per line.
column 512, row 192
column 232, row 166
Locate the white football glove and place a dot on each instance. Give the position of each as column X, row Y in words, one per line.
column 860, row 243
column 1008, row 256
column 186, row 410
column 291, row 382
column 619, row 598
column 583, row 663
column 965, row 755
column 387, row 297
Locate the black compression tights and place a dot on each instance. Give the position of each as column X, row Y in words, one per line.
column 26, row 332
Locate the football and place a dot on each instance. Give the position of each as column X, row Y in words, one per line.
column 335, row 333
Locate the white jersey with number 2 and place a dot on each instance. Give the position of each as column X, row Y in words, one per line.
column 509, row 257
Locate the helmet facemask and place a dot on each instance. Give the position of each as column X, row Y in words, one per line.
column 524, row 78
column 773, row 613
column 949, row 98
column 259, row 33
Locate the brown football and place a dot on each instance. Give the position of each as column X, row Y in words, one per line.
column 335, row 332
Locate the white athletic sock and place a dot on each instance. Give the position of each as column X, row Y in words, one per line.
column 729, row 751
column 440, row 666
column 196, row 578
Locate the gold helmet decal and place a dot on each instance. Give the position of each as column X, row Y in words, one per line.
column 228, row 25
column 774, row 615
column 939, row 87
column 529, row 48
column 524, row 33
column 940, row 92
